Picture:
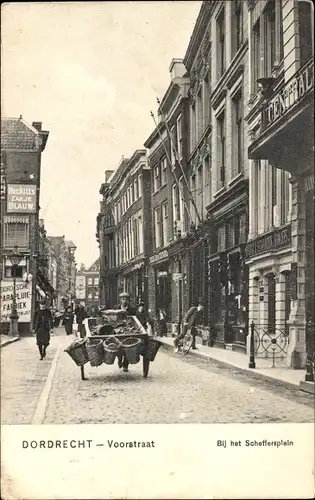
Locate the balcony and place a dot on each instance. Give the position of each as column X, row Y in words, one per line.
column 269, row 242
column 287, row 129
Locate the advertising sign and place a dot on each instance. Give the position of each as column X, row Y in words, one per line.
column 21, row 198
column 23, row 301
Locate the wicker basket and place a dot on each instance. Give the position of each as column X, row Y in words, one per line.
column 95, row 352
column 77, row 351
column 131, row 347
column 111, row 350
column 152, row 349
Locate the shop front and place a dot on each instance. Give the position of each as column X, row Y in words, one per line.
column 160, row 284
column 133, row 279
column 228, row 272
column 179, row 274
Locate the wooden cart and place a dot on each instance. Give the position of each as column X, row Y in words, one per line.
column 140, row 334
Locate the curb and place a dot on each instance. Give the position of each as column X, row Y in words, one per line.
column 246, row 371
column 10, row 341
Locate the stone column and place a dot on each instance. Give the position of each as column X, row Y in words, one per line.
column 253, row 303
column 253, row 202
column 297, row 351
column 280, row 300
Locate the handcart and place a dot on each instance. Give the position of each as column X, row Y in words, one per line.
column 114, row 336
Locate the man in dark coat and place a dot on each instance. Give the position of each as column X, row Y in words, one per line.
column 144, row 317
column 68, row 320
column 190, row 321
column 43, row 323
column 81, row 315
column 130, row 311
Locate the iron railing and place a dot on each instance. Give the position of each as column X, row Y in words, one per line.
column 268, row 343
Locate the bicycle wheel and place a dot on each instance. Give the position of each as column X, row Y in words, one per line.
column 187, row 344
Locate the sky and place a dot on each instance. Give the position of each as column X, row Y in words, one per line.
column 91, row 73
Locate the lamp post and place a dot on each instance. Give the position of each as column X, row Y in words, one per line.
column 15, row 259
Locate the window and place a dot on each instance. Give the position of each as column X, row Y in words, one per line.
column 192, row 126
column 270, row 37
column 206, row 102
column 141, row 235
column 221, row 148
column 199, row 114
column 131, row 194
column 163, row 171
column 175, row 206
column 157, row 227
column 140, row 185
column 274, row 207
column 16, row 231
column 306, row 30
column 164, row 241
column 199, row 190
column 180, row 225
column 237, row 29
column 256, row 55
column 179, row 127
column 173, row 145
column 96, row 281
column 19, row 270
column 90, row 281
column 90, row 296
column 136, row 188
column 207, row 181
column 221, row 43
column 156, row 179
column 238, row 125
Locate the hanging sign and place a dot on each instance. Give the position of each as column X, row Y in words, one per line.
column 23, row 301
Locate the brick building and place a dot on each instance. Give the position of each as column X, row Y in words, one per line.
column 64, row 252
column 21, row 149
column 281, row 246
column 124, row 230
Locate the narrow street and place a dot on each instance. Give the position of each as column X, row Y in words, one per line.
column 178, row 390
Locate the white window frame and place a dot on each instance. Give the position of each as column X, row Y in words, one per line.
column 179, row 132
column 164, row 219
column 157, row 226
column 163, row 171
column 156, row 178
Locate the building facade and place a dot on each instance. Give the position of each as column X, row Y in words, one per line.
column 92, row 285
column 281, row 246
column 21, row 148
column 124, row 230
column 168, row 264
column 64, row 254
column 46, row 267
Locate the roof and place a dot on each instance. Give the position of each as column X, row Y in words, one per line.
column 70, row 244
column 94, row 267
column 17, row 134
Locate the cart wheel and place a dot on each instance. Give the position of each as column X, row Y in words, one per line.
column 187, row 344
column 146, row 364
column 82, row 373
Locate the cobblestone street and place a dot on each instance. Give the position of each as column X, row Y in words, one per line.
column 177, row 390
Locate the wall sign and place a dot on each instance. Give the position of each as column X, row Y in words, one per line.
column 21, row 198
column 23, row 301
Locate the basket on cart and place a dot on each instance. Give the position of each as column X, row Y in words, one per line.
column 77, row 351
column 111, row 350
column 95, row 351
column 151, row 349
column 131, row 347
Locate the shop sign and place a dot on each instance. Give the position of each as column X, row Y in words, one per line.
column 23, row 301
column 177, row 276
column 292, row 92
column 159, row 257
column 162, row 274
column 276, row 239
column 21, row 198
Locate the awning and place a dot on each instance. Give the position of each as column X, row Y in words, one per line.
column 44, row 283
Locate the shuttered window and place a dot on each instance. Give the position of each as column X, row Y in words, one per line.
column 16, row 232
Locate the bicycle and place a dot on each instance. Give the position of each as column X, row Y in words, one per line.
column 185, row 344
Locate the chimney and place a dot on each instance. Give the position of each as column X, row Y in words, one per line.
column 177, row 68
column 37, row 125
column 108, row 174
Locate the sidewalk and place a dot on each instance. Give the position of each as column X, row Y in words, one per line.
column 279, row 375
column 6, row 340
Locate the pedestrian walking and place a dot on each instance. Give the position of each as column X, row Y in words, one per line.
column 126, row 306
column 162, row 327
column 68, row 321
column 190, row 321
column 43, row 324
column 145, row 318
column 81, row 315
